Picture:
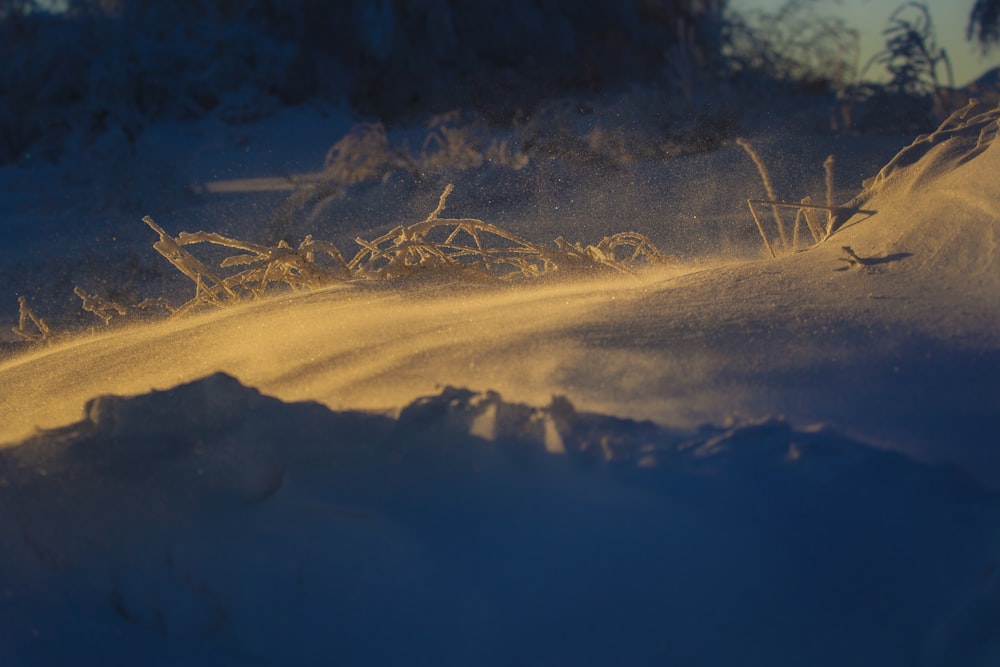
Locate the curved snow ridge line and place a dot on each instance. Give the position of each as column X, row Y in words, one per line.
column 963, row 136
column 934, row 205
column 219, row 415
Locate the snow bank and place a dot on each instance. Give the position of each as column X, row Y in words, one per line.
column 210, row 524
column 937, row 200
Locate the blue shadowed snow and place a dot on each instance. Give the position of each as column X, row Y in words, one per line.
column 209, row 524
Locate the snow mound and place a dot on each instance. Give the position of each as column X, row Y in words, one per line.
column 209, row 524
column 936, row 201
column 961, row 138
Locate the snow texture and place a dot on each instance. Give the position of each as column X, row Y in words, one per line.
column 210, row 524
column 303, row 481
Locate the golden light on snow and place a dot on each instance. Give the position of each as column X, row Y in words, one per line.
column 806, row 334
column 363, row 347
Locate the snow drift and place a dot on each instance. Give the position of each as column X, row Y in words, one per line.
column 210, row 524
column 897, row 347
column 937, row 201
column 348, row 510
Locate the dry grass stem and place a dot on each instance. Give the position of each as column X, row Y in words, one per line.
column 828, row 173
column 37, row 332
column 804, row 210
column 760, row 227
column 103, row 309
column 765, row 176
column 812, row 221
column 795, row 228
column 804, row 207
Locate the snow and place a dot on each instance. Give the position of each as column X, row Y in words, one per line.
column 284, row 533
column 728, row 460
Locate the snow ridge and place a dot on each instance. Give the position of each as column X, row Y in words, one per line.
column 962, row 137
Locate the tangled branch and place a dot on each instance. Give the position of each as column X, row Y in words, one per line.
column 465, row 247
column 30, row 327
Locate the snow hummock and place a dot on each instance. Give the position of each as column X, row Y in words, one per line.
column 210, row 524
column 586, row 471
column 938, row 202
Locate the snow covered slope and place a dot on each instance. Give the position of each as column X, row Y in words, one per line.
column 937, row 203
column 354, row 508
column 900, row 350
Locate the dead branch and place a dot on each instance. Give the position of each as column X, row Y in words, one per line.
column 765, row 176
column 804, row 206
column 461, row 246
column 41, row 331
column 99, row 307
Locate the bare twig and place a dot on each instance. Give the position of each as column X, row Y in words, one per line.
column 828, row 173
column 760, row 227
column 211, row 288
column 809, row 214
column 98, row 306
column 41, row 332
column 461, row 246
column 854, row 260
column 765, row 176
column 804, row 206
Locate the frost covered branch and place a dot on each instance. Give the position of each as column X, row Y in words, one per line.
column 471, row 245
column 41, row 330
column 98, row 306
column 765, row 176
column 456, row 247
column 805, row 210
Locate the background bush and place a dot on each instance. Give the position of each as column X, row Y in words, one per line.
column 71, row 70
column 125, row 63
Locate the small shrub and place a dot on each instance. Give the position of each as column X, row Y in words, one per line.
column 984, row 24
column 914, row 97
column 911, row 55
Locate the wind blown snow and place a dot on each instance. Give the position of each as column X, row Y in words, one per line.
column 306, row 484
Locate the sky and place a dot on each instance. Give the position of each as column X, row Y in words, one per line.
column 870, row 18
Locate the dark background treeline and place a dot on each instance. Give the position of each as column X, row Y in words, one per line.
column 71, row 69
